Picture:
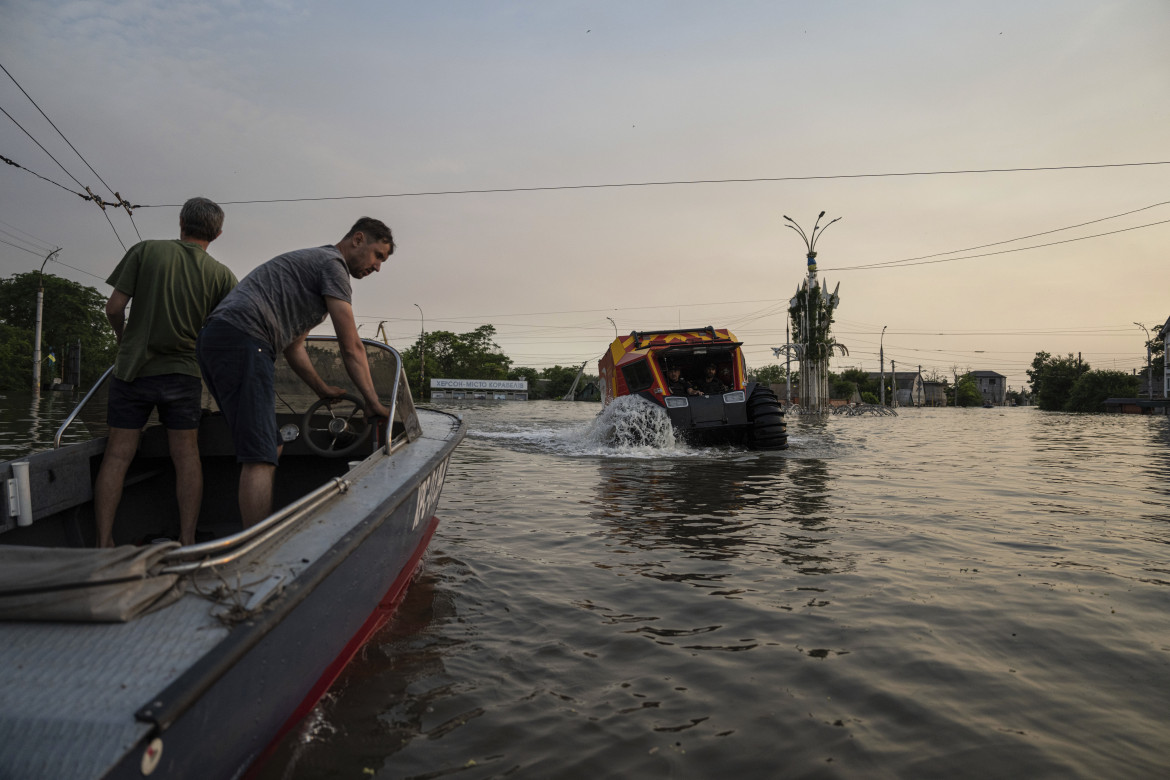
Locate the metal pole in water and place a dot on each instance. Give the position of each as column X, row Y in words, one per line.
column 40, row 309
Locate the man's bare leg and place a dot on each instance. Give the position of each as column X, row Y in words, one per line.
column 255, row 492
column 184, row 447
column 107, row 489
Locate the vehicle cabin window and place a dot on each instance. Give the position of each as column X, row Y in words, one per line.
column 638, row 376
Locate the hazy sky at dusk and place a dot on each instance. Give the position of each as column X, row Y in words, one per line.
column 254, row 101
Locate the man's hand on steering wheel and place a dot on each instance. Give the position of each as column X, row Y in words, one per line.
column 331, row 392
column 376, row 409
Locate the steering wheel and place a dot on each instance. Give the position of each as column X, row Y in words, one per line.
column 336, row 427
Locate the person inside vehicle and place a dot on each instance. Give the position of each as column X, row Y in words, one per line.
column 711, row 385
column 676, row 384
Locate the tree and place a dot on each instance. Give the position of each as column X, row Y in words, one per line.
column 967, row 392
column 1091, row 390
column 529, row 375
column 1156, row 368
column 471, row 355
column 71, row 312
column 1052, row 379
column 842, row 389
column 860, row 379
column 559, row 379
column 768, row 375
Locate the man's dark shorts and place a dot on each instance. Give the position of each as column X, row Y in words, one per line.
column 240, row 372
column 177, row 397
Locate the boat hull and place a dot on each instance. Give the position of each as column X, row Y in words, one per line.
column 176, row 693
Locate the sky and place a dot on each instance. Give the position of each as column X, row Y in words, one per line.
column 550, row 166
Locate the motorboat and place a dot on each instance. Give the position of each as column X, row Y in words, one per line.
column 153, row 659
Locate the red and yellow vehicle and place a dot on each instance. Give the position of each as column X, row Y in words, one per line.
column 698, row 375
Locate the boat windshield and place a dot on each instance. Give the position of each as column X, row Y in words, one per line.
column 292, row 394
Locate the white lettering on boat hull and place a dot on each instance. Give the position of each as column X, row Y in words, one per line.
column 428, row 494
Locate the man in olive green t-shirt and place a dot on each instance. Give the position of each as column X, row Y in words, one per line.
column 174, row 286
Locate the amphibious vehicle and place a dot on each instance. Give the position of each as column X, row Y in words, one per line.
column 709, row 399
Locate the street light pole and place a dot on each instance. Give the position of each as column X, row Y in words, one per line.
column 422, row 353
column 611, row 322
column 40, row 309
column 882, row 357
column 1149, row 365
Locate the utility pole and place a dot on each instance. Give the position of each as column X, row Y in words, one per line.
column 882, row 357
column 40, row 309
column 787, row 365
column 422, row 353
column 1149, row 364
column 894, row 382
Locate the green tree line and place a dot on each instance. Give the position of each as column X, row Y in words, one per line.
column 72, row 312
column 475, row 355
column 1068, row 384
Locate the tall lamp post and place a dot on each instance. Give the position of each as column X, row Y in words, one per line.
column 882, row 358
column 1149, row 365
column 422, row 352
column 611, row 322
column 40, row 309
column 815, row 313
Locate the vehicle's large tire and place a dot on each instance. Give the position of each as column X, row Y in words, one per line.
column 769, row 431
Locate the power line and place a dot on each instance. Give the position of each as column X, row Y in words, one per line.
column 23, row 249
column 1000, row 252
column 680, row 182
column 1010, row 240
column 79, row 155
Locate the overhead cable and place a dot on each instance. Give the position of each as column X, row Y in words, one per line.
column 680, row 182
column 873, row 266
column 79, row 155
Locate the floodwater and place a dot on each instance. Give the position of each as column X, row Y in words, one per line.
column 29, row 421
column 947, row 593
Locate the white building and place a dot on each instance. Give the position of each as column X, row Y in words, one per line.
column 480, row 389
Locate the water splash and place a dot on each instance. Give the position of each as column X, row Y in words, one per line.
column 633, row 422
column 629, row 427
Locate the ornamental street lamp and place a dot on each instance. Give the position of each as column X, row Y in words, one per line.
column 422, row 353
column 812, row 314
column 1149, row 365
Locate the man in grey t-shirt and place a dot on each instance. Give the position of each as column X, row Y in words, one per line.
column 271, row 311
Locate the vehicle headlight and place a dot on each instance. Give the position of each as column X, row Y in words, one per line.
column 734, row 398
column 677, row 401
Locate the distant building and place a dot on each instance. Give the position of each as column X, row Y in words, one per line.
column 909, row 387
column 934, row 393
column 479, row 389
column 991, row 385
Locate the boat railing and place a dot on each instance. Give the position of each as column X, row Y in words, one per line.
column 81, row 405
column 227, row 549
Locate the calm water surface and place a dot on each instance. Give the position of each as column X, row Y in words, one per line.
column 949, row 593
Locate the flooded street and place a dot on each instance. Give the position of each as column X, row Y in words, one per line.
column 946, row 593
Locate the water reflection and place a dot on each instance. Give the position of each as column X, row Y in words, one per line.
column 731, row 505
column 29, row 421
column 388, row 694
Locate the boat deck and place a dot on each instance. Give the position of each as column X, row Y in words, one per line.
column 76, row 698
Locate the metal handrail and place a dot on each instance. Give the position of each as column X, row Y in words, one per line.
column 240, row 544
column 77, row 409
